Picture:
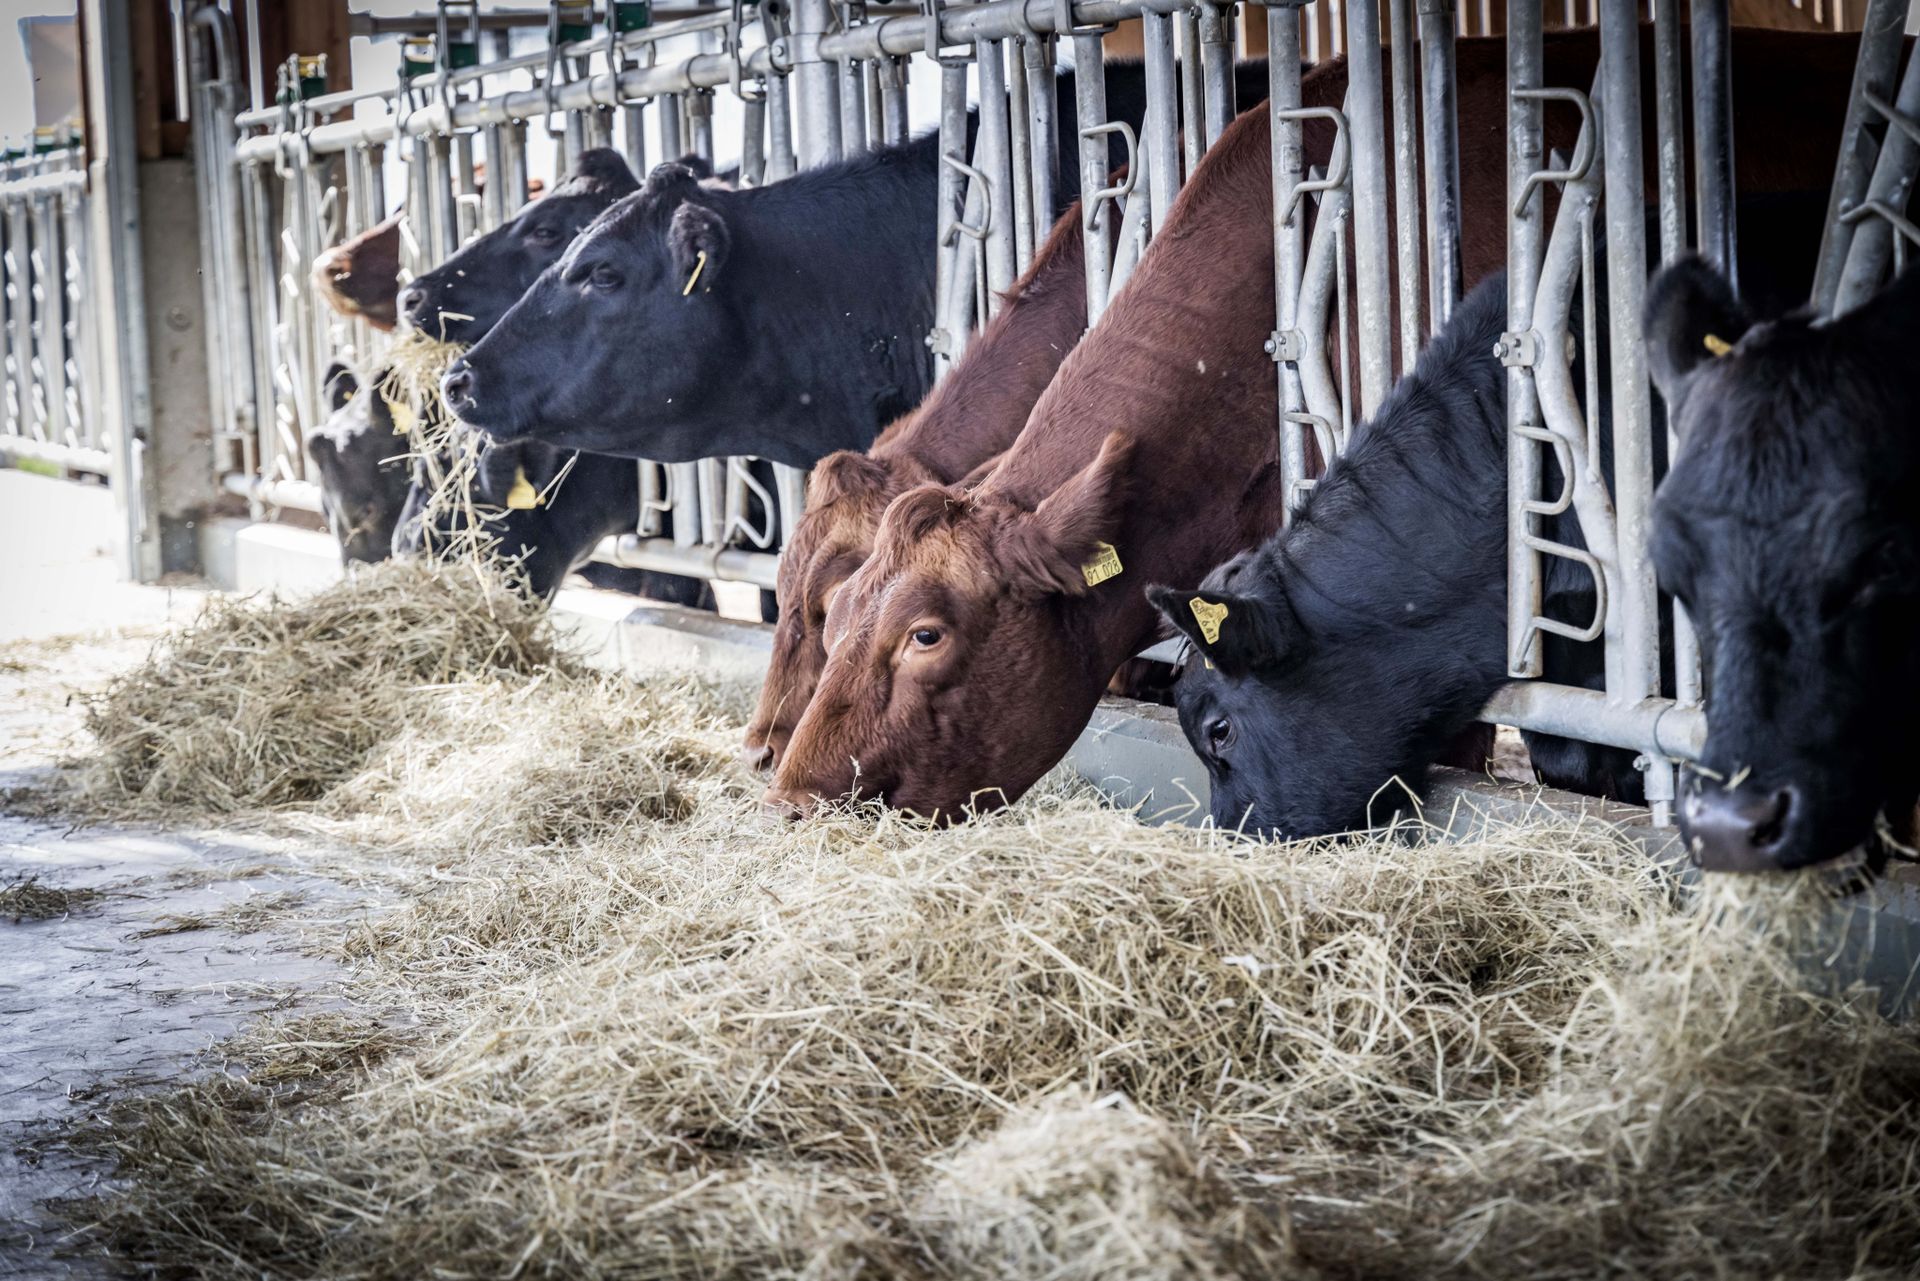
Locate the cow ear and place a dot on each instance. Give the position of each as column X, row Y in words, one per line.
column 1691, row 318
column 341, row 386
column 1061, row 545
column 698, row 239
column 1237, row 634
column 603, row 169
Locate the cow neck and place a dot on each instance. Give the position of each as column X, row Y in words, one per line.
column 1178, row 365
column 815, row 250
column 978, row 410
column 1408, row 527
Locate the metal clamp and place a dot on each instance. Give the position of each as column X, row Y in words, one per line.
column 1339, row 162
column 1090, row 207
column 1583, row 152
column 1517, row 350
column 960, row 226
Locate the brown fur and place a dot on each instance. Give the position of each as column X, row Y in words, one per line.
column 1176, row 368
column 361, row 277
column 971, row 416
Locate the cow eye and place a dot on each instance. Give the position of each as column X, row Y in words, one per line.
column 605, row 277
column 543, row 235
column 1220, row 733
column 927, row 637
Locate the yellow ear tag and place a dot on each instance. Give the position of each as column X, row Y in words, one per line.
column 699, row 266
column 1209, row 616
column 523, row 496
column 1104, row 565
column 1718, row 345
column 402, row 414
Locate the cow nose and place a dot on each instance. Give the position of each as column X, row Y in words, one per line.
column 787, row 803
column 757, row 757
column 1737, row 829
column 456, row 387
column 413, row 299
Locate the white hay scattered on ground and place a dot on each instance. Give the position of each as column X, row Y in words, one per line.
column 647, row 1034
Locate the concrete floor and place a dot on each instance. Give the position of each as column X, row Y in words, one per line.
column 93, row 997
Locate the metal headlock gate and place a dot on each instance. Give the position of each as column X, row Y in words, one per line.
column 46, row 316
column 828, row 78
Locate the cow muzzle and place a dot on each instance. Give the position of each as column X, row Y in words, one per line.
column 1741, row 829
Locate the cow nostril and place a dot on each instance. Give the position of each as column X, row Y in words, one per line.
column 757, row 757
column 1770, row 825
column 458, row 382
column 786, row 805
column 411, row 299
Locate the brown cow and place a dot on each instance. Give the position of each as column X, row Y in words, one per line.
column 970, row 650
column 971, row 416
column 361, row 277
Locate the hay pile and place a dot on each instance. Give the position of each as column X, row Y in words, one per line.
column 262, row 704
column 645, row 1034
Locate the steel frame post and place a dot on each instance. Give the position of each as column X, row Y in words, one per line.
column 1406, row 181
column 1440, row 135
column 1882, row 32
column 1366, row 122
column 1526, row 232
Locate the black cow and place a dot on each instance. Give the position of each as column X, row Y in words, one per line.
column 362, row 466
column 1356, row 645
column 785, row 321
column 1789, row 528
column 582, row 498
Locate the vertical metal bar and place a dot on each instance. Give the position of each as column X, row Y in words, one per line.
column 512, row 170
column 1027, row 229
column 1289, row 240
column 1881, row 34
column 494, row 198
column 1638, row 598
column 114, row 234
column 700, row 122
column 893, row 98
column 781, row 160
column 818, row 92
column 1713, row 133
column 633, row 130
column 1216, row 49
column 1366, row 124
column 951, row 205
column 1162, row 141
column 1041, row 90
column 1877, row 249
column 993, row 156
column 1406, row 179
column 52, row 320
column 672, row 143
column 465, row 190
column 1526, row 242
column 853, row 105
column 443, row 217
column 1440, row 128
column 876, row 108
column 1090, row 92
column 1193, row 93
column 753, row 141
column 1670, row 167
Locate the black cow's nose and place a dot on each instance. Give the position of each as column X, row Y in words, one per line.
column 1737, row 829
column 456, row 386
column 412, row 300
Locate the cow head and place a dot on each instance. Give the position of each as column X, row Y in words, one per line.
column 1788, row 528
column 846, row 497
column 359, row 277
column 957, row 672
column 465, row 296
column 1306, row 712
column 635, row 318
column 362, row 469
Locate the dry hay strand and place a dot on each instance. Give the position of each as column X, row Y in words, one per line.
column 415, row 364
column 24, row 898
column 260, row 705
column 303, row 1047
column 249, row 915
column 1074, row 1188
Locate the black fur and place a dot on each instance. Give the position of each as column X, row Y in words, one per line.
column 803, row 332
column 362, row 468
column 1790, row 528
column 1364, row 639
